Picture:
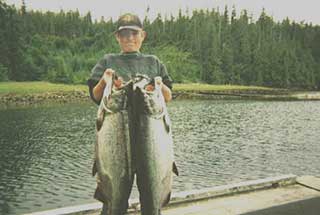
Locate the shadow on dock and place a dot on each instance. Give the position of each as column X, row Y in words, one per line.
column 304, row 207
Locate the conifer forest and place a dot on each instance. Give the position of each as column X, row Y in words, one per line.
column 215, row 46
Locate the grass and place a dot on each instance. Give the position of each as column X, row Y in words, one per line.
column 37, row 87
column 207, row 87
column 44, row 87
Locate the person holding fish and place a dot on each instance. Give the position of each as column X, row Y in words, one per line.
column 135, row 140
column 130, row 36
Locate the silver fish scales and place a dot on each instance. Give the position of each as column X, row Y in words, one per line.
column 113, row 151
column 154, row 148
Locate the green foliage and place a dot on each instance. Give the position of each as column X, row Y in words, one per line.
column 36, row 87
column 61, row 73
column 80, row 77
column 3, row 73
column 202, row 46
column 181, row 65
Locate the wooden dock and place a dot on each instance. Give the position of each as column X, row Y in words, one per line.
column 283, row 195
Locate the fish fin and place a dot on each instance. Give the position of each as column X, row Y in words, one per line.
column 94, row 168
column 175, row 168
column 98, row 194
column 167, row 122
column 166, row 200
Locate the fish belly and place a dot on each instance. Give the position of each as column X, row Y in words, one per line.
column 154, row 169
column 113, row 162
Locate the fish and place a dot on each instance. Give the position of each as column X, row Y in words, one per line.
column 112, row 156
column 153, row 146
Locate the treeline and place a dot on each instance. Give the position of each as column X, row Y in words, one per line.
column 212, row 46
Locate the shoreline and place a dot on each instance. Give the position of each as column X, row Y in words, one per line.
column 36, row 93
column 29, row 99
column 12, row 99
column 250, row 95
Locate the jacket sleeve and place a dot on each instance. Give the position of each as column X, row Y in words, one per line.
column 166, row 79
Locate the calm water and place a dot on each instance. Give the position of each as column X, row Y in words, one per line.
column 46, row 152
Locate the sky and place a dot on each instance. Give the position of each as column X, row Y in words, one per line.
column 298, row 10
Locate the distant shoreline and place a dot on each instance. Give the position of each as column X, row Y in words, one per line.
column 243, row 95
column 34, row 93
column 12, row 99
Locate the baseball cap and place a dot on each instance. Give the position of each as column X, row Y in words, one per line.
column 129, row 21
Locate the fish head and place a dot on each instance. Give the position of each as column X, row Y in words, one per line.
column 117, row 101
column 140, row 81
column 149, row 102
column 114, row 98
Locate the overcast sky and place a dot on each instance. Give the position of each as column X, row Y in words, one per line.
column 298, row 10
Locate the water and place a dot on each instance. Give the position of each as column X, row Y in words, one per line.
column 46, row 152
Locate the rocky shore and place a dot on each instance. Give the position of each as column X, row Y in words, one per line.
column 43, row 98
column 83, row 96
column 281, row 95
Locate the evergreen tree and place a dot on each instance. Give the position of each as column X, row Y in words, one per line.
column 200, row 45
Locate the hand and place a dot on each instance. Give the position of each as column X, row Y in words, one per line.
column 149, row 87
column 158, row 81
column 118, row 82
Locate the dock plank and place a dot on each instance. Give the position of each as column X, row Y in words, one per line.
column 275, row 195
column 249, row 202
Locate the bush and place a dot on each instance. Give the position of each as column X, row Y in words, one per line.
column 60, row 73
column 3, row 73
column 180, row 64
column 80, row 77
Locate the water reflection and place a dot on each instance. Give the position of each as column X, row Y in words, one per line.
column 46, row 152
